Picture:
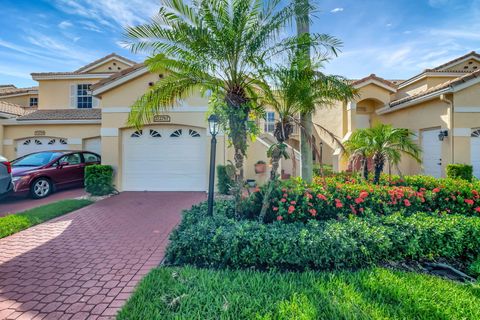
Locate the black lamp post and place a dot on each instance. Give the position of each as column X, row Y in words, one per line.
column 213, row 127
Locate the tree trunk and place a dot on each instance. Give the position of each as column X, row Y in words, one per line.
column 379, row 163
column 305, row 118
column 365, row 167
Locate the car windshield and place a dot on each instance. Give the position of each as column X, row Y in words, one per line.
column 36, row 159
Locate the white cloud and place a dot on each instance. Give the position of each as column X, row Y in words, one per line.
column 110, row 12
column 65, row 24
column 336, row 10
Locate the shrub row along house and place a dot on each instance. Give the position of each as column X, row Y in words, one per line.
column 88, row 109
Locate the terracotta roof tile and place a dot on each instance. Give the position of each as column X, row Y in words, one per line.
column 14, row 109
column 117, row 75
column 9, row 90
column 447, row 84
column 470, row 54
column 63, row 114
column 111, row 55
column 375, row 77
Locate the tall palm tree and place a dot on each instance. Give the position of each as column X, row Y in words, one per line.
column 385, row 143
column 217, row 46
column 296, row 88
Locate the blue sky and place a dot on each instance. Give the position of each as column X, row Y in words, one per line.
column 394, row 39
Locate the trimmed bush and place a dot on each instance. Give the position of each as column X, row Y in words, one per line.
column 99, row 180
column 460, row 171
column 222, row 241
column 225, row 180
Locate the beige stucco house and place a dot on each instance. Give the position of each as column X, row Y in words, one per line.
column 88, row 109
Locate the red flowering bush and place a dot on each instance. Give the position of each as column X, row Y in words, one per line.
column 346, row 195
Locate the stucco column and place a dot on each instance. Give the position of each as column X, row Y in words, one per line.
column 351, row 112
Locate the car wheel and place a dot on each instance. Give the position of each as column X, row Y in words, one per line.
column 41, row 188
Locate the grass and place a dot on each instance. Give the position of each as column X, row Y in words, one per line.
column 14, row 223
column 189, row 293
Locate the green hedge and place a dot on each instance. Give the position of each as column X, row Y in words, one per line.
column 99, row 180
column 224, row 178
column 222, row 241
column 460, row 171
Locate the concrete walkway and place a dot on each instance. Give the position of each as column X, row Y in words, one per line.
column 86, row 264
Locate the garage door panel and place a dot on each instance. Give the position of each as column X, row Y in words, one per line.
column 37, row 144
column 164, row 163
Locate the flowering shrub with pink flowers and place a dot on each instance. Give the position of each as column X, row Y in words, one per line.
column 338, row 197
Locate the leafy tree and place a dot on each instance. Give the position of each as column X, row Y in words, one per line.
column 383, row 143
column 216, row 46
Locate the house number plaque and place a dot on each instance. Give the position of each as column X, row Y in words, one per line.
column 161, row 118
column 39, row 133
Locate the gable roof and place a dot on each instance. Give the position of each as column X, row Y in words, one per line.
column 83, row 71
column 111, row 56
column 13, row 109
column 453, row 62
column 446, row 87
column 373, row 78
column 12, row 90
column 63, row 114
column 118, row 78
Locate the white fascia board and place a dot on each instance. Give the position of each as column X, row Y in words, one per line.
column 409, row 103
column 429, row 74
column 120, row 81
column 173, row 110
column 375, row 82
column 19, row 94
column 467, row 109
column 106, row 61
column 72, row 76
column 466, row 84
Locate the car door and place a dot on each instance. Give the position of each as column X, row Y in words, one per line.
column 70, row 170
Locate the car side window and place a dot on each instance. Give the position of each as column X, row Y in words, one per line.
column 71, row 159
column 91, row 158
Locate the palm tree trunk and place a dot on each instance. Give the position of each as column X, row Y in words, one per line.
column 365, row 167
column 305, row 118
column 379, row 163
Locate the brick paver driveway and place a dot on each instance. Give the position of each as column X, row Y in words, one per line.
column 86, row 264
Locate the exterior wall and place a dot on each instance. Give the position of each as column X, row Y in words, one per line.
column 466, row 66
column 111, row 66
column 421, row 85
column 428, row 115
column 75, row 132
column 55, row 94
column 23, row 100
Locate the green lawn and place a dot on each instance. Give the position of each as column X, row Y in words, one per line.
column 189, row 293
column 17, row 222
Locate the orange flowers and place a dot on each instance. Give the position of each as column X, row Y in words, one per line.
column 291, row 209
column 406, row 202
column 470, row 202
column 321, row 197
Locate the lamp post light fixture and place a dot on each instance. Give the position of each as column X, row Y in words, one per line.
column 213, row 126
column 442, row 134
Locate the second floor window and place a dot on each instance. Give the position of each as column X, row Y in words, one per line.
column 33, row 102
column 270, row 122
column 84, row 97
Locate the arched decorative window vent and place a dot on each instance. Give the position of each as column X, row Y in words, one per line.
column 63, row 141
column 38, row 142
column 476, row 133
column 193, row 133
column 155, row 134
column 27, row 142
column 177, row 133
column 137, row 134
column 52, row 141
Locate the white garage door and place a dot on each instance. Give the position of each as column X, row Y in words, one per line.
column 93, row 145
column 475, row 152
column 164, row 158
column 26, row 146
column 432, row 153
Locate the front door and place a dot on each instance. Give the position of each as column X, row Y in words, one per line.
column 432, row 153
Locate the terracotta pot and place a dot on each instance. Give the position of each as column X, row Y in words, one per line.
column 260, row 168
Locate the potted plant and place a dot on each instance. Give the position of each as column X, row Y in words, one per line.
column 260, row 166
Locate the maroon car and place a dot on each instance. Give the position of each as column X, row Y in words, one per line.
column 41, row 173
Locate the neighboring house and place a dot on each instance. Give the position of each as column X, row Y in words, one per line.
column 24, row 97
column 88, row 109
